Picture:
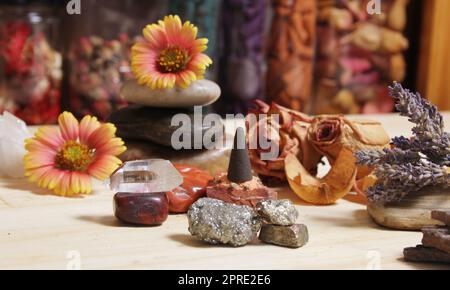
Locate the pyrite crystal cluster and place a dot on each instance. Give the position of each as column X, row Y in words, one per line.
column 279, row 227
column 218, row 222
column 278, row 212
column 411, row 164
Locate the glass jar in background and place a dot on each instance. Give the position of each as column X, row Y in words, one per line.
column 98, row 44
column 30, row 61
column 97, row 70
column 359, row 54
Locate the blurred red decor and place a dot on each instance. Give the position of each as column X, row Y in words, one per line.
column 31, row 73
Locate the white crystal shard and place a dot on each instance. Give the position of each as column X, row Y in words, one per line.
column 145, row 176
column 13, row 132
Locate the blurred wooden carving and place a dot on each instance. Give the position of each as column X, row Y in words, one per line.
column 291, row 53
column 434, row 70
column 358, row 55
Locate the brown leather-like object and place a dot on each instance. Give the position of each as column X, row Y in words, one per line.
column 291, row 51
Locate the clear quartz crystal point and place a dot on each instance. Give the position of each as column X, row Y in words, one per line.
column 145, row 176
column 13, row 132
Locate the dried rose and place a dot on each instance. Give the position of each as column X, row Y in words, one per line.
column 330, row 134
column 290, row 134
column 304, row 140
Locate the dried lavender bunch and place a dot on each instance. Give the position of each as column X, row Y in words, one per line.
column 429, row 135
column 413, row 163
column 387, row 156
column 414, row 175
column 385, row 192
column 397, row 181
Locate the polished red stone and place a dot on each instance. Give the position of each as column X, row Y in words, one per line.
column 193, row 188
column 149, row 209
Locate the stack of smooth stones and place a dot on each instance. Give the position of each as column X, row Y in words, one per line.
column 146, row 125
column 435, row 246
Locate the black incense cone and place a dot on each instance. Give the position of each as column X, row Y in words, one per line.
column 240, row 169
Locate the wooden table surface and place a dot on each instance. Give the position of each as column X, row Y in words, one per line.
column 41, row 231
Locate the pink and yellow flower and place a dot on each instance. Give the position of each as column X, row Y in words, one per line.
column 169, row 55
column 64, row 159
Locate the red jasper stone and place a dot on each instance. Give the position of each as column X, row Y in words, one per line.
column 148, row 209
column 193, row 188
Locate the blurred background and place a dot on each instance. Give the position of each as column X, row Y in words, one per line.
column 316, row 56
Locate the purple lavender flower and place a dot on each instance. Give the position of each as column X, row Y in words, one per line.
column 413, row 163
column 429, row 135
column 397, row 181
column 388, row 156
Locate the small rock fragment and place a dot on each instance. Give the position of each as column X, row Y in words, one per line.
column 192, row 189
column 437, row 237
column 217, row 222
column 442, row 216
column 248, row 193
column 148, row 209
column 277, row 212
column 294, row 236
column 423, row 254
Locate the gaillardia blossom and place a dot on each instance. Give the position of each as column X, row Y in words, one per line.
column 64, row 159
column 169, row 55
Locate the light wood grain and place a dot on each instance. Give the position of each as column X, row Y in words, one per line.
column 38, row 231
column 434, row 68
